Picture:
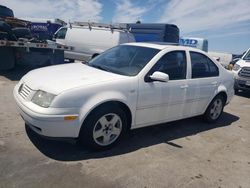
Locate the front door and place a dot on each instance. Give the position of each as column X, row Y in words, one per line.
column 163, row 101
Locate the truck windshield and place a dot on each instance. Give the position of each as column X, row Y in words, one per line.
column 124, row 59
column 247, row 56
column 60, row 34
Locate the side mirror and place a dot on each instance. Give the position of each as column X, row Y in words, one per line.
column 159, row 76
column 54, row 37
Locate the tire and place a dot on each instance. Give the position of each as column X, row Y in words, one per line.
column 4, row 36
column 69, row 60
column 215, row 109
column 22, row 32
column 98, row 132
column 6, row 29
column 6, row 12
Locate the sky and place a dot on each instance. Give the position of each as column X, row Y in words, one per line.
column 225, row 23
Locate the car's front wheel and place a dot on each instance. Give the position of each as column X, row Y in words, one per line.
column 103, row 128
column 214, row 109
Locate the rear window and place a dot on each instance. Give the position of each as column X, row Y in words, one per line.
column 61, row 33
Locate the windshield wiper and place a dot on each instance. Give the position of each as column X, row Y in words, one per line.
column 85, row 62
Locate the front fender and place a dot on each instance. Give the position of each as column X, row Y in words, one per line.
column 100, row 98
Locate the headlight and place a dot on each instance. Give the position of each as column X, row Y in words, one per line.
column 42, row 98
column 236, row 67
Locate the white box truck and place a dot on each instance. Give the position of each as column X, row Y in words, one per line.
column 199, row 43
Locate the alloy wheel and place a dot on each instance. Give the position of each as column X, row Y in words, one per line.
column 107, row 129
column 216, row 108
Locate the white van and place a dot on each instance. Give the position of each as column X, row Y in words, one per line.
column 88, row 41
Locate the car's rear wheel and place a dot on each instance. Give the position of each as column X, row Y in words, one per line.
column 103, row 128
column 214, row 109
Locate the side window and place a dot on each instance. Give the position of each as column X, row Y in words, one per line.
column 174, row 64
column 61, row 33
column 202, row 66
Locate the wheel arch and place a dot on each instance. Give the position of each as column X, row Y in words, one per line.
column 224, row 95
column 220, row 91
column 121, row 104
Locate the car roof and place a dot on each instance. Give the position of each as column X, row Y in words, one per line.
column 163, row 45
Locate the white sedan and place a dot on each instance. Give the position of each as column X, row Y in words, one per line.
column 126, row 87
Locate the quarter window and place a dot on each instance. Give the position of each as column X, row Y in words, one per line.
column 174, row 64
column 202, row 66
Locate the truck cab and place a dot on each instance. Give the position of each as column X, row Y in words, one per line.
column 241, row 71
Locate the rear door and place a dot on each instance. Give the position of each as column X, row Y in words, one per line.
column 202, row 83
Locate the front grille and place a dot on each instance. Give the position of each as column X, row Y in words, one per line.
column 24, row 91
column 244, row 86
column 245, row 72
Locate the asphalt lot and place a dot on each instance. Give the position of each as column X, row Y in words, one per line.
column 186, row 153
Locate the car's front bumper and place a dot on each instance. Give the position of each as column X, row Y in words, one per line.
column 242, row 83
column 51, row 125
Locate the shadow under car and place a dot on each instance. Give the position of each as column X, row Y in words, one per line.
column 136, row 139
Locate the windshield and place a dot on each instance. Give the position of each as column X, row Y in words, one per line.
column 60, row 34
column 124, row 59
column 247, row 56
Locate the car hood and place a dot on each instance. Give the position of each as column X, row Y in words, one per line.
column 59, row 78
column 243, row 63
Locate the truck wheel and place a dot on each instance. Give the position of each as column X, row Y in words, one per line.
column 69, row 60
column 214, row 110
column 6, row 28
column 5, row 12
column 103, row 128
column 22, row 32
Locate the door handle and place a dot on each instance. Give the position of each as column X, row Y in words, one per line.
column 214, row 83
column 184, row 86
